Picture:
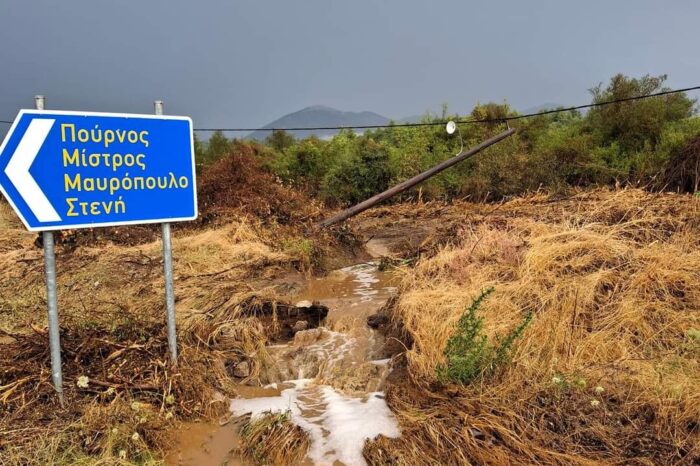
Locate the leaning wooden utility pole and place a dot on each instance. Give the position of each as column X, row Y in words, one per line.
column 399, row 188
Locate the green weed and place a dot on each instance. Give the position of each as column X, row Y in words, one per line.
column 469, row 354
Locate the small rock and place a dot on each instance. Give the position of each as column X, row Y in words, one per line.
column 377, row 320
column 308, row 337
column 337, row 276
column 300, row 326
column 242, row 370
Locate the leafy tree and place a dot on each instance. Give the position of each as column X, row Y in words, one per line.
column 217, row 147
column 280, row 140
column 492, row 111
column 636, row 124
column 361, row 172
column 199, row 151
column 303, row 163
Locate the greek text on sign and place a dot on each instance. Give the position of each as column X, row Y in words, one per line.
column 80, row 170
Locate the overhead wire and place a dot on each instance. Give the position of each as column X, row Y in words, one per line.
column 470, row 121
column 440, row 123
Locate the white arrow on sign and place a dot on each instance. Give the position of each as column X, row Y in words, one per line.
column 17, row 170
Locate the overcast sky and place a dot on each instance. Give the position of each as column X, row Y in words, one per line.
column 245, row 63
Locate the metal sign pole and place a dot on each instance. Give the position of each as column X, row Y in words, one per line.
column 168, row 269
column 65, row 192
column 50, row 264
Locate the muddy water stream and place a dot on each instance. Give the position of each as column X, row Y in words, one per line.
column 330, row 379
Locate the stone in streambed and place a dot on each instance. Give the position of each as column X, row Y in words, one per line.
column 308, row 337
column 242, row 370
column 377, row 320
column 300, row 326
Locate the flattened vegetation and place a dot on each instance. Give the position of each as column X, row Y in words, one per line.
column 607, row 370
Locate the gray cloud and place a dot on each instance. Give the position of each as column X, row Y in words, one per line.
column 245, row 63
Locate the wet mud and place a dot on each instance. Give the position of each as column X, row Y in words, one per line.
column 329, row 378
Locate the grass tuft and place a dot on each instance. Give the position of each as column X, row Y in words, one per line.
column 272, row 438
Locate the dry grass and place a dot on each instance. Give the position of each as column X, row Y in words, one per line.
column 613, row 280
column 250, row 233
column 273, row 439
column 113, row 332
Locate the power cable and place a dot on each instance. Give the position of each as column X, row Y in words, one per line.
column 471, row 121
column 441, row 123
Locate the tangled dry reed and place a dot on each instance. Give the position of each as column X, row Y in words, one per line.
column 608, row 370
column 122, row 394
column 273, row 439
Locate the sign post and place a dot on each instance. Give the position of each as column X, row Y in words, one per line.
column 168, row 269
column 83, row 170
column 51, row 298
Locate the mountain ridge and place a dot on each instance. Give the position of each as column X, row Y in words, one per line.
column 315, row 116
column 320, row 116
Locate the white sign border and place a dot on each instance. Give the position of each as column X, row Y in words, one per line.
column 39, row 228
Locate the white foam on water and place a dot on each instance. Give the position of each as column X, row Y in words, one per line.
column 379, row 362
column 351, row 421
column 340, row 431
column 338, row 425
column 286, row 401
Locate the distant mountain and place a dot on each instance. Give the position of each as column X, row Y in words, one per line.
column 319, row 115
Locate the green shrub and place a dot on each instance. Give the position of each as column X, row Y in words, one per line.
column 469, row 354
column 217, row 146
column 280, row 140
column 200, row 151
column 635, row 124
column 359, row 172
column 302, row 163
column 646, row 142
column 563, row 152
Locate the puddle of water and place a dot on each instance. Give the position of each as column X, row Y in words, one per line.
column 204, row 444
column 331, row 379
column 351, row 293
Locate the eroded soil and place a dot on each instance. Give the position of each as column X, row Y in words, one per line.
column 330, row 378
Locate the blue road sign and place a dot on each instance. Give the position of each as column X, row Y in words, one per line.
column 82, row 170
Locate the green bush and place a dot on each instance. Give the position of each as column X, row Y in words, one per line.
column 676, row 157
column 637, row 124
column 359, row 172
column 199, row 151
column 639, row 142
column 217, row 146
column 302, row 163
column 469, row 354
column 280, row 140
column 563, row 153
